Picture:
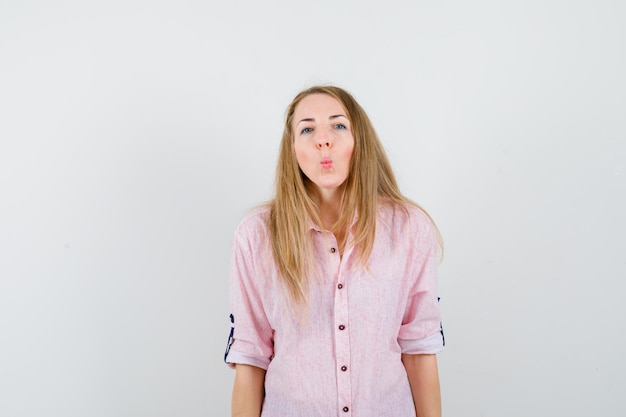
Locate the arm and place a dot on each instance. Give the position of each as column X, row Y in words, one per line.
column 248, row 391
column 424, row 380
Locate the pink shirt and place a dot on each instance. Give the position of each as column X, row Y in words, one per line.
column 343, row 358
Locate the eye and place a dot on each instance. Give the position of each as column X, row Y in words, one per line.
column 340, row 126
column 306, row 130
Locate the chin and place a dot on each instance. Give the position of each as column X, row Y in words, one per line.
column 330, row 185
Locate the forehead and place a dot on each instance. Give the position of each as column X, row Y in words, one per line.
column 318, row 105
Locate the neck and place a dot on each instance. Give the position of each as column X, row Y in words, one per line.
column 329, row 205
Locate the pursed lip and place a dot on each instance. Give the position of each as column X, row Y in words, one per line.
column 326, row 162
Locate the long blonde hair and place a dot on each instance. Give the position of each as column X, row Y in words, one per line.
column 370, row 180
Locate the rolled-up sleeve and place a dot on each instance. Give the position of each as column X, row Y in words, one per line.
column 251, row 341
column 421, row 331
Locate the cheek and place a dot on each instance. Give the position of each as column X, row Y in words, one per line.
column 301, row 153
column 348, row 152
column 301, row 156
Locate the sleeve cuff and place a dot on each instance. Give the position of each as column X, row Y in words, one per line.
column 234, row 357
column 429, row 345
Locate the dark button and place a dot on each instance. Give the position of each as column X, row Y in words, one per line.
column 341, row 327
column 344, row 368
column 346, row 409
column 340, row 286
column 333, row 250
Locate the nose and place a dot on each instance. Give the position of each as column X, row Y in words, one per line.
column 323, row 142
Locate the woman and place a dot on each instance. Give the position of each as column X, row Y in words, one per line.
column 333, row 283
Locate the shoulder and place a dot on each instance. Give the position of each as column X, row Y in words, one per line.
column 404, row 215
column 253, row 225
column 408, row 222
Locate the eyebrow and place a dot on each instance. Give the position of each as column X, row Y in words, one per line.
column 310, row 119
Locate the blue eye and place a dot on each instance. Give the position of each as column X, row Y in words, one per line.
column 340, row 126
column 306, row 130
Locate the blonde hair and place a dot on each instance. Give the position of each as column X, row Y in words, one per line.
column 370, row 181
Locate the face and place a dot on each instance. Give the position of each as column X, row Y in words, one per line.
column 323, row 141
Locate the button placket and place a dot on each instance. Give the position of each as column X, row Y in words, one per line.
column 342, row 346
column 341, row 323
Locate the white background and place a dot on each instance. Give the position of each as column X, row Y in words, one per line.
column 134, row 135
